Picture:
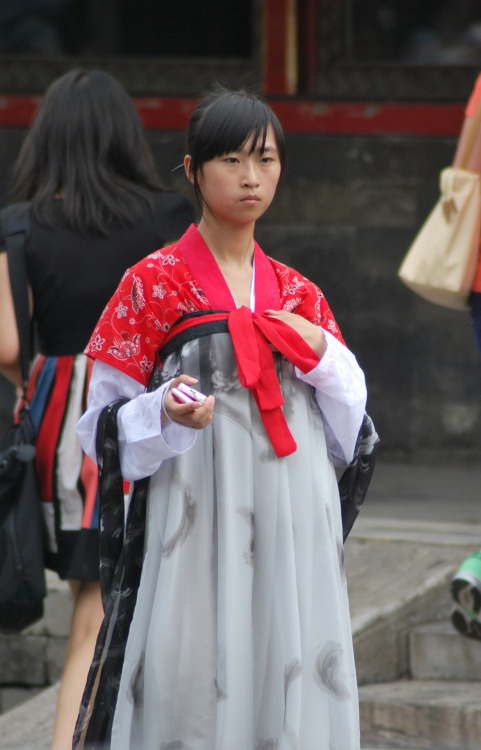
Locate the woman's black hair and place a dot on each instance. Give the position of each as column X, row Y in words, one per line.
column 223, row 121
column 88, row 146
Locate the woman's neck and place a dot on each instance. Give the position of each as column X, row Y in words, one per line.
column 230, row 246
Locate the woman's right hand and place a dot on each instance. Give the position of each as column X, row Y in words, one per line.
column 193, row 414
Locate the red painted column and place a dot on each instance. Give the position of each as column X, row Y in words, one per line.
column 280, row 47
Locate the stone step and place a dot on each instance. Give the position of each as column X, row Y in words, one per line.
column 395, row 586
column 33, row 659
column 29, row 725
column 438, row 652
column 421, row 715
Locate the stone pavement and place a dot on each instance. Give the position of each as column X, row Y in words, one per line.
column 418, row 524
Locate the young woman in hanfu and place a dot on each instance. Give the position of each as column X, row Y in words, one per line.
column 240, row 636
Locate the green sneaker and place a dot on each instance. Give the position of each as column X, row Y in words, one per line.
column 466, row 592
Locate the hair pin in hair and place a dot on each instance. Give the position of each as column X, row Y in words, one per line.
column 176, row 169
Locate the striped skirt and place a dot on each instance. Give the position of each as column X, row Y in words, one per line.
column 57, row 392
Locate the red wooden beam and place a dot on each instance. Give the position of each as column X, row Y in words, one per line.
column 165, row 113
column 369, row 118
column 18, row 110
column 297, row 116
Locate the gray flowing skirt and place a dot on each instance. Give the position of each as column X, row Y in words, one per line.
column 241, row 634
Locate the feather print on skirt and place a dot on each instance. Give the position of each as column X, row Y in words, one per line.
column 186, row 523
column 239, row 634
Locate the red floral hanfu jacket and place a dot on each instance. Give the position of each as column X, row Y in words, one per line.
column 182, row 279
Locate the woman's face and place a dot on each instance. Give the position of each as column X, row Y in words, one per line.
column 238, row 187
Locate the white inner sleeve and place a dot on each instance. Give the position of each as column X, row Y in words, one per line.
column 341, row 394
column 143, row 443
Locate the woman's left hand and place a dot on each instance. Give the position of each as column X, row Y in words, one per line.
column 312, row 334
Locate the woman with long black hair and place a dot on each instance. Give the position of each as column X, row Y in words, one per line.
column 86, row 178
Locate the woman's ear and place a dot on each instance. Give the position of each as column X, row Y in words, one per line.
column 188, row 168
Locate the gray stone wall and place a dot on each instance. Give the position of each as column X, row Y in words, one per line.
column 345, row 216
column 32, row 660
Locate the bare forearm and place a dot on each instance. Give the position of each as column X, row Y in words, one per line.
column 473, row 161
column 9, row 343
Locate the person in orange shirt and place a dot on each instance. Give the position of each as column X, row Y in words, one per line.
column 473, row 164
column 466, row 584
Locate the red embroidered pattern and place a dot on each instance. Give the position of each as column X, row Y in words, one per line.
column 301, row 296
column 156, row 292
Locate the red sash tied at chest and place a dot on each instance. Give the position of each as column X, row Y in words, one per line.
column 251, row 335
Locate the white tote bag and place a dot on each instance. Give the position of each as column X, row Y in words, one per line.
column 441, row 262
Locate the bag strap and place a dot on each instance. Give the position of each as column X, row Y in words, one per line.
column 15, row 224
column 472, row 135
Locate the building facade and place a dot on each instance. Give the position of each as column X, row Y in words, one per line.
column 371, row 94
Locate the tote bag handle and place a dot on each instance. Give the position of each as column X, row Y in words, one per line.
column 472, row 134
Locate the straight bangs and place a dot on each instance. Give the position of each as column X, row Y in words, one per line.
column 225, row 131
column 228, row 122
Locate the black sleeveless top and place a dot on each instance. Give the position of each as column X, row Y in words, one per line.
column 73, row 276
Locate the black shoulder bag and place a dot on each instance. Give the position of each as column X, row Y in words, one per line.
column 22, row 530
